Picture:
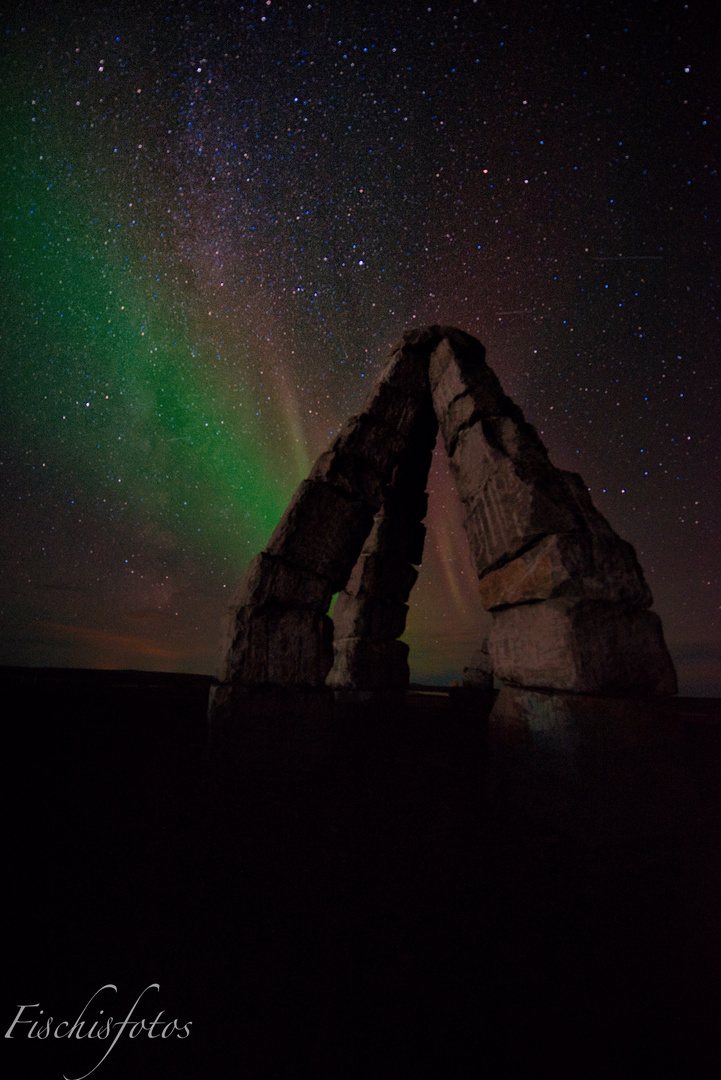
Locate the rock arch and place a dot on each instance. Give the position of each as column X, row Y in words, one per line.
column 567, row 595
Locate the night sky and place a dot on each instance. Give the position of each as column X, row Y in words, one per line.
column 217, row 217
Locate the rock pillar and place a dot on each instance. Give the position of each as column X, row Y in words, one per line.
column 279, row 633
column 567, row 595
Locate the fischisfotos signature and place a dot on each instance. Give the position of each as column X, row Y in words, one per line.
column 31, row 1022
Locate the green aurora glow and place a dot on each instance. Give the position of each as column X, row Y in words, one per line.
column 102, row 340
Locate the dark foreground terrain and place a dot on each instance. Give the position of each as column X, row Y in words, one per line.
column 330, row 896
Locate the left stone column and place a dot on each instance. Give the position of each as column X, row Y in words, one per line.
column 278, row 632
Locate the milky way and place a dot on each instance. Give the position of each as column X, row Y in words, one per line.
column 216, row 218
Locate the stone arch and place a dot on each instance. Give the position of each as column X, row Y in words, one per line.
column 567, row 595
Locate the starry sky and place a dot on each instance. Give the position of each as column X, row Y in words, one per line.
column 217, row 217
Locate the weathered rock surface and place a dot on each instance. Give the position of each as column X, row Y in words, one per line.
column 367, row 664
column 579, row 564
column 585, row 646
column 368, row 485
column 404, row 379
column 371, row 612
column 276, row 603
column 271, row 580
column 568, row 597
column 374, row 576
column 512, row 493
column 360, row 460
column 479, row 673
column 464, row 389
column 322, row 531
column 278, row 646
column 368, row 617
column 507, row 515
column 365, row 453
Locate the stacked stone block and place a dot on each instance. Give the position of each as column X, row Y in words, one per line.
column 278, row 631
column 479, row 673
column 567, row 595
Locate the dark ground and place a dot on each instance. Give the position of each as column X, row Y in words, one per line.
column 335, row 903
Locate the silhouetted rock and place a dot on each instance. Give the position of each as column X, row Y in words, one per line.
column 567, row 595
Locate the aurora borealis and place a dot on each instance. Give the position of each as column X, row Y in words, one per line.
column 215, row 220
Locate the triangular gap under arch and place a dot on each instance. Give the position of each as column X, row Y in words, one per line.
column 568, row 598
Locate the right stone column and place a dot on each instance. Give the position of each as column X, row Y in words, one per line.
column 568, row 598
